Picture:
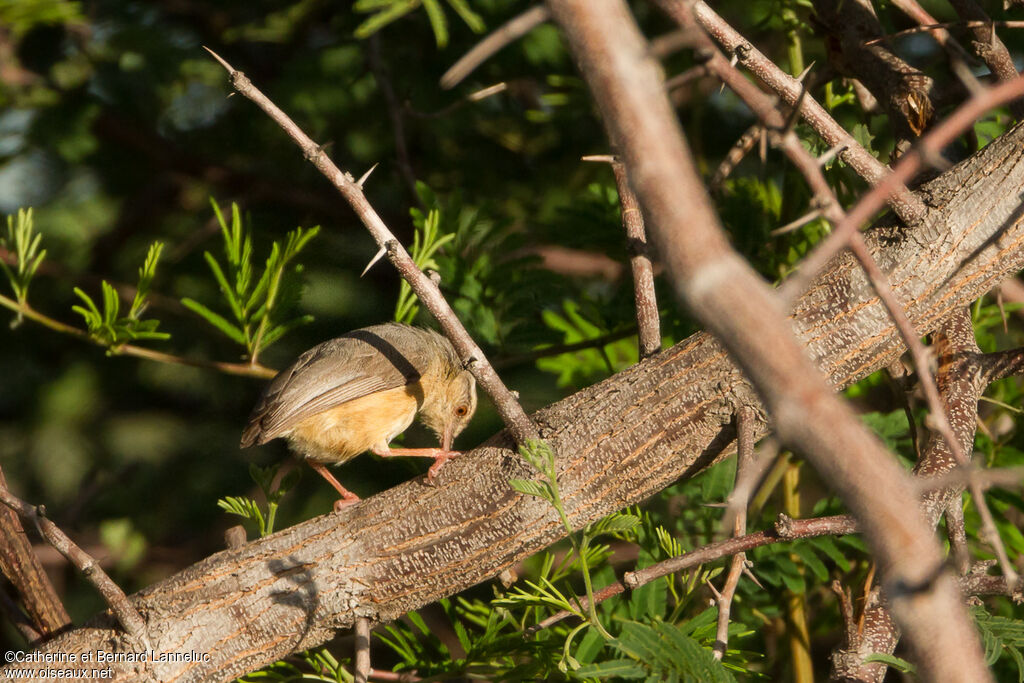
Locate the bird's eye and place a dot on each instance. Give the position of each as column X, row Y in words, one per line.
column 461, row 411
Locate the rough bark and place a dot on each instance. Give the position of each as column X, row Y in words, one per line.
column 618, row 442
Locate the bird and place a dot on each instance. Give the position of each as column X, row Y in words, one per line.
column 357, row 392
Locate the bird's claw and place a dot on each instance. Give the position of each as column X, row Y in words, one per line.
column 439, row 460
column 343, row 503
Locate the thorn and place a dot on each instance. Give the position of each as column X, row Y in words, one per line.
column 362, row 179
column 376, row 257
column 798, row 223
column 435, row 277
column 832, row 153
column 487, row 92
column 803, row 74
column 750, row 574
column 603, row 158
column 223, row 63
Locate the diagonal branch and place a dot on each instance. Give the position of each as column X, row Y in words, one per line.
column 747, row 318
column 472, row 356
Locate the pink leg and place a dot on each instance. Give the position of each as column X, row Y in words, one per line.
column 347, row 497
column 439, row 455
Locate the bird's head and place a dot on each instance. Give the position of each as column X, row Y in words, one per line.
column 448, row 405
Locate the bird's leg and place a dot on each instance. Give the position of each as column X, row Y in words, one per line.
column 440, row 456
column 347, row 497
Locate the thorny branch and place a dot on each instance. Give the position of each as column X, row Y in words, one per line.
column 744, row 462
column 785, row 529
column 428, row 292
column 648, row 321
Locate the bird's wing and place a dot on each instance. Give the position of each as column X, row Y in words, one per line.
column 335, row 372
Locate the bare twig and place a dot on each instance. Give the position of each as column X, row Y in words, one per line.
column 648, row 322
column 785, row 529
column 751, row 136
column 507, row 33
column 957, row 535
column 395, row 112
column 128, row 617
column 924, row 150
column 362, row 657
column 394, row 676
column 559, row 349
column 988, row 46
column 428, row 292
column 744, row 462
column 931, row 27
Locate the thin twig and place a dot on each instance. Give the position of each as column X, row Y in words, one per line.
column 472, row 97
column 395, row 112
column 362, row 657
column 507, row 33
column 988, row 46
column 957, row 535
column 906, row 205
column 744, row 461
column 785, row 529
column 428, row 292
column 115, row 598
column 648, row 322
column 394, row 677
column 558, row 349
column 945, row 24
column 240, row 369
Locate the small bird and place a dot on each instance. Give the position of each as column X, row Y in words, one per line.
column 359, row 391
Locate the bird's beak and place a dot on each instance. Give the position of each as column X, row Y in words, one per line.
column 447, row 437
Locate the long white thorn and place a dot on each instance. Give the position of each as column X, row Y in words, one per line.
column 376, row 257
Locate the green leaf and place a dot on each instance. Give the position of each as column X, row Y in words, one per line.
column 530, row 488
column 214, row 319
column 225, row 288
column 895, row 662
column 277, row 332
column 617, row 668
column 398, row 9
column 438, row 23
column 473, row 20
column 615, row 523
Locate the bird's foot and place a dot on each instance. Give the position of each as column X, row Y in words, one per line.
column 343, row 503
column 439, row 460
